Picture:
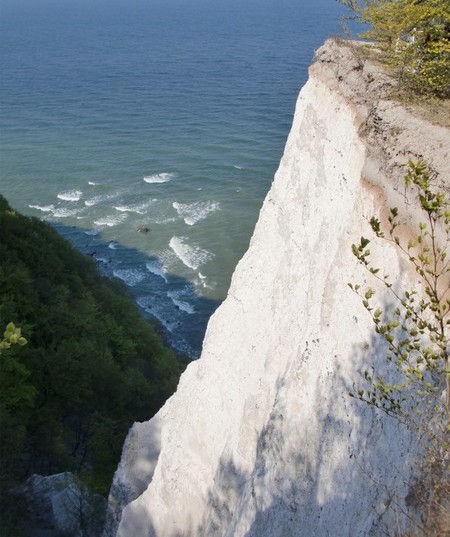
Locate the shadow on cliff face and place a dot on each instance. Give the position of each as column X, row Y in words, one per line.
column 325, row 463
column 343, row 470
column 347, row 476
column 340, row 478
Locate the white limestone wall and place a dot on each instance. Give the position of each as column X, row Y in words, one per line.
column 261, row 438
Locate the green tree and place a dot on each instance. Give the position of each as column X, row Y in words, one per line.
column 11, row 336
column 91, row 367
column 414, row 36
column 17, row 396
column 16, row 392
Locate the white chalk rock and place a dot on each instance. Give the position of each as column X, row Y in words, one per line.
column 261, row 438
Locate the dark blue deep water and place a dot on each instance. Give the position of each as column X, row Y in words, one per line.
column 165, row 115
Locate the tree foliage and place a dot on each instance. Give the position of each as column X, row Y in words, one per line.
column 16, row 390
column 414, row 36
column 12, row 336
column 90, row 368
column 415, row 327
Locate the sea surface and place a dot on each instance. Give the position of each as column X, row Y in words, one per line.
column 148, row 133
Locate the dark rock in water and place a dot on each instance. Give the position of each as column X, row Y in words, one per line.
column 59, row 505
column 143, row 229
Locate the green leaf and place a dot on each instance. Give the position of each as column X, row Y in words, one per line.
column 363, row 243
column 369, row 294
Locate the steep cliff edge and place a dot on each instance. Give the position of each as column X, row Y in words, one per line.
column 261, row 438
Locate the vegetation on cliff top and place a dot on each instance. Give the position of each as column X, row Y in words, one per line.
column 414, row 39
column 91, row 366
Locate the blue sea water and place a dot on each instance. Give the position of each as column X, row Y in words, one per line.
column 167, row 116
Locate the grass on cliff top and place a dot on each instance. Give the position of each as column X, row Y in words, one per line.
column 436, row 111
column 427, row 107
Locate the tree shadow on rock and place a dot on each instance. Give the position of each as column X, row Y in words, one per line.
column 324, row 464
column 337, row 469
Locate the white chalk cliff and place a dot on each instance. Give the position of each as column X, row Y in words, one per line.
column 261, row 438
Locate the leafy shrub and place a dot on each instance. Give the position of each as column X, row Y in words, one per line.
column 416, row 331
column 414, row 36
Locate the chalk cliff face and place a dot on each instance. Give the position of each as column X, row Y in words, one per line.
column 261, row 438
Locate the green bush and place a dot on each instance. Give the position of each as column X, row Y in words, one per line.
column 414, row 36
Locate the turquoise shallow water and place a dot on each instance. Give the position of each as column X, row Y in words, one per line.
column 169, row 116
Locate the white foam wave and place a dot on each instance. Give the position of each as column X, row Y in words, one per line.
column 112, row 245
column 98, row 199
column 101, row 259
column 70, row 195
column 130, row 276
column 62, row 212
column 111, row 221
column 191, row 256
column 140, row 208
column 91, row 183
column 202, row 282
column 58, row 212
column 180, row 304
column 159, row 178
column 92, row 232
column 155, row 268
column 165, row 221
column 152, row 306
column 194, row 212
column 43, row 208
column 238, row 167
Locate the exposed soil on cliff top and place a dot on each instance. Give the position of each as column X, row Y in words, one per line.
column 396, row 127
column 432, row 109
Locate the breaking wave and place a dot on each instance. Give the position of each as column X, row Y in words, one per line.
column 194, row 212
column 159, row 178
column 100, row 198
column 139, row 208
column 191, row 256
column 111, row 221
column 70, row 195
column 43, row 208
column 155, row 268
column 180, row 304
column 62, row 212
column 130, row 276
column 157, row 309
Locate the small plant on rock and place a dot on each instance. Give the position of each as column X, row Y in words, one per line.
column 415, row 327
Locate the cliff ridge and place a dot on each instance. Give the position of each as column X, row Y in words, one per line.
column 261, row 437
